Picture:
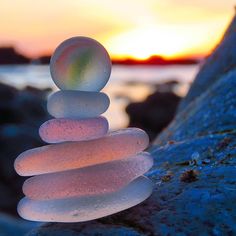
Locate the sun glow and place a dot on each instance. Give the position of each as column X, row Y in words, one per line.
column 135, row 28
column 141, row 43
column 167, row 41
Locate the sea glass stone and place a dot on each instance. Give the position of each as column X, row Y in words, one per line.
column 92, row 180
column 80, row 63
column 80, row 209
column 72, row 155
column 77, row 104
column 62, row 129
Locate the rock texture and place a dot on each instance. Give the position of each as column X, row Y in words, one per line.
column 195, row 160
column 212, row 112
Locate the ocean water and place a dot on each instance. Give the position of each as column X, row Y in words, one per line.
column 127, row 83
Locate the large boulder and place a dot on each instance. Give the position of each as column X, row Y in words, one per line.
column 221, row 61
column 212, row 112
column 194, row 170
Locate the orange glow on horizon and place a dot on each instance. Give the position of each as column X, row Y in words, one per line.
column 128, row 29
column 168, row 43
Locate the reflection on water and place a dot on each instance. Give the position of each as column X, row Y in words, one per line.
column 127, row 83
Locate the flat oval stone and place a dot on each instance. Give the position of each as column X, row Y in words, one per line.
column 86, row 208
column 80, row 63
column 62, row 129
column 88, row 181
column 77, row 104
column 72, row 155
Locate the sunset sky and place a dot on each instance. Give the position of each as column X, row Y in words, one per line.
column 127, row 28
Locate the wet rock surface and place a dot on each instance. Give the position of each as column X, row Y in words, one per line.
column 194, row 170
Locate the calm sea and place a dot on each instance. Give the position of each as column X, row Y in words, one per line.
column 127, row 83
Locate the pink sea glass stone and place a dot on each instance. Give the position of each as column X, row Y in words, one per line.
column 92, row 180
column 79, row 209
column 72, row 155
column 61, row 130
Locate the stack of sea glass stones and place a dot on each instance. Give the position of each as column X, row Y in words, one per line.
column 85, row 173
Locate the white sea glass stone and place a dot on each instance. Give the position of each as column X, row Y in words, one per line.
column 72, row 155
column 92, row 180
column 62, row 129
column 80, row 63
column 77, row 104
column 86, row 208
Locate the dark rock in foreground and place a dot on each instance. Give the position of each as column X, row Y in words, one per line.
column 153, row 114
column 194, row 170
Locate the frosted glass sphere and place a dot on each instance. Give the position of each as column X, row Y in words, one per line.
column 80, row 63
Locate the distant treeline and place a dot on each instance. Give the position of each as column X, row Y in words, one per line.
column 9, row 56
column 156, row 60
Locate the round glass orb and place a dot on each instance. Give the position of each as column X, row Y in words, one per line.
column 80, row 63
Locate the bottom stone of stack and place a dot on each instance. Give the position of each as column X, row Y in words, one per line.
column 86, row 208
column 93, row 180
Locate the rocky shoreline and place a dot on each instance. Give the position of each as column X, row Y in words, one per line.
column 194, row 168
